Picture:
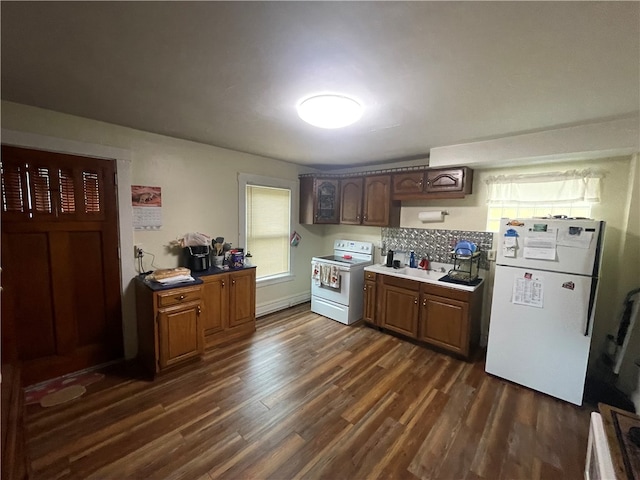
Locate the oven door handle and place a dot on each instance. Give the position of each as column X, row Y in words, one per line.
column 339, row 268
column 343, row 270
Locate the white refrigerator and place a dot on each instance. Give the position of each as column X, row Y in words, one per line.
column 544, row 298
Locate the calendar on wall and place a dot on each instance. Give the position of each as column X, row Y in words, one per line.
column 147, row 207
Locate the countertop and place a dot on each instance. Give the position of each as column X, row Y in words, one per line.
column 156, row 287
column 426, row 276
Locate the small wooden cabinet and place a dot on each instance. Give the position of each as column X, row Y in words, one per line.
column 229, row 306
column 432, row 183
column 319, row 200
column 369, row 311
column 445, row 317
column 400, row 306
column 444, row 322
column 169, row 326
column 351, row 200
column 378, row 208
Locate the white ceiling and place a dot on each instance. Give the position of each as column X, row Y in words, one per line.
column 230, row 73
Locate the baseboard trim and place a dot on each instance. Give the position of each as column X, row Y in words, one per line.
column 282, row 303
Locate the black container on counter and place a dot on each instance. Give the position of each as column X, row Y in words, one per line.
column 389, row 258
column 197, row 258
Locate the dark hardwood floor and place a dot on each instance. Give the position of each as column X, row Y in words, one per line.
column 307, row 397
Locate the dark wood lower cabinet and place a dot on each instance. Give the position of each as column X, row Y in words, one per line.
column 443, row 322
column 175, row 325
column 445, row 317
column 400, row 306
column 229, row 306
column 169, row 326
column 369, row 311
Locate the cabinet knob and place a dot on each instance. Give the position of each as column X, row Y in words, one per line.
column 415, row 300
column 181, row 297
column 233, row 282
column 199, row 310
column 365, row 288
column 365, row 216
column 222, row 283
column 424, row 303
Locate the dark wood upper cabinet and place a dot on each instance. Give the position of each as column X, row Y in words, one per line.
column 351, row 201
column 379, row 209
column 319, row 200
column 432, row 183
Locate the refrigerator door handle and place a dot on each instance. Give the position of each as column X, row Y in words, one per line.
column 592, row 301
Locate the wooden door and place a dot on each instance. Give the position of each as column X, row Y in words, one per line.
column 377, row 200
column 242, row 298
column 369, row 310
column 61, row 308
column 327, row 200
column 215, row 300
column 351, row 201
column 179, row 334
column 408, row 182
column 400, row 311
column 445, row 180
column 444, row 322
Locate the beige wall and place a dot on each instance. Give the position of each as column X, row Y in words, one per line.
column 620, row 208
column 200, row 193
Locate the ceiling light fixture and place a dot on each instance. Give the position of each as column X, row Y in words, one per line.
column 329, row 111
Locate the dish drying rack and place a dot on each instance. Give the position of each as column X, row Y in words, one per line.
column 465, row 266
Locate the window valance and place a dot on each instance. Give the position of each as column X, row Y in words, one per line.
column 557, row 187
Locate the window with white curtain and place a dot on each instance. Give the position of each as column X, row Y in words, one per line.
column 265, row 224
column 570, row 193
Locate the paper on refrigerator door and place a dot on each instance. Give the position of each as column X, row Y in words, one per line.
column 575, row 237
column 540, row 245
column 528, row 291
column 509, row 246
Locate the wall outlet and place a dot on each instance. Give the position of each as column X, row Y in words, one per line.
column 491, row 255
column 138, row 251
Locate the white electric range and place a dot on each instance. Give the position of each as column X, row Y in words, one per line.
column 344, row 302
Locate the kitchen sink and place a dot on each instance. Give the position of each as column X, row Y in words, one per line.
column 419, row 273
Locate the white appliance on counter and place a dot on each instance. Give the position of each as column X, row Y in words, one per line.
column 343, row 303
column 544, row 298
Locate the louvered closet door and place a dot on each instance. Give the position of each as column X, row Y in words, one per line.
column 61, row 273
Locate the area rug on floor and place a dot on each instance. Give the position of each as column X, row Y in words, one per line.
column 61, row 389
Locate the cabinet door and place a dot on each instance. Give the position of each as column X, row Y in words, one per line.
column 215, row 300
column 326, row 200
column 179, row 334
column 242, row 297
column 445, row 180
column 400, row 310
column 377, row 200
column 408, row 182
column 369, row 314
column 445, row 322
column 351, row 201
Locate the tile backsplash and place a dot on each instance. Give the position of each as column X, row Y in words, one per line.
column 438, row 244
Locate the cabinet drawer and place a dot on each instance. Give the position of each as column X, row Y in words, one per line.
column 405, row 283
column 178, row 296
column 447, row 292
column 369, row 275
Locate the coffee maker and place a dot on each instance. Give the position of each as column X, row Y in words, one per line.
column 197, row 258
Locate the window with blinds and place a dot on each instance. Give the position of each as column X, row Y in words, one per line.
column 50, row 192
column 268, row 220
